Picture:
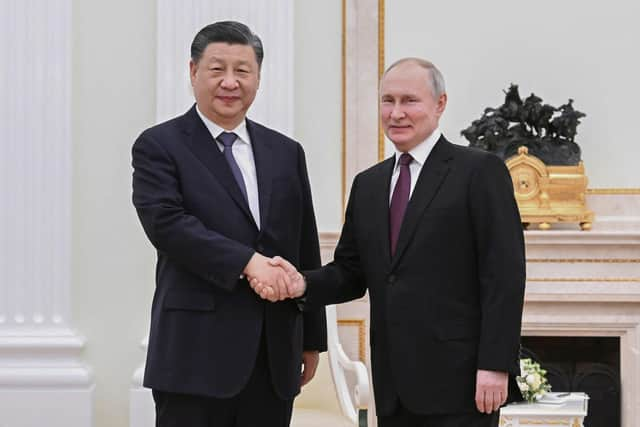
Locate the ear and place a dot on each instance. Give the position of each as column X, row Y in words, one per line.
column 193, row 68
column 442, row 104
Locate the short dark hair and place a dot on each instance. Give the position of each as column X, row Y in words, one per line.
column 231, row 32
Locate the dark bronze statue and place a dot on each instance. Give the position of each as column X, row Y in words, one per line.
column 548, row 135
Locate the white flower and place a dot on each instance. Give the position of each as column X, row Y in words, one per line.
column 534, row 380
column 532, row 383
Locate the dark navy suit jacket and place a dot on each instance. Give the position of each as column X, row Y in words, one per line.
column 206, row 322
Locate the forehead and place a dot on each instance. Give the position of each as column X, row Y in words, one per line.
column 405, row 78
column 226, row 52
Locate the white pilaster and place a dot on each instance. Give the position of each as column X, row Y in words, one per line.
column 362, row 55
column 178, row 23
column 39, row 352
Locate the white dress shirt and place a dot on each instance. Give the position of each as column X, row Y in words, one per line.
column 419, row 153
column 243, row 153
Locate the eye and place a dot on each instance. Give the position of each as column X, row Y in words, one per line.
column 243, row 71
column 215, row 69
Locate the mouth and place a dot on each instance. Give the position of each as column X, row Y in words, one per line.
column 399, row 127
column 228, row 99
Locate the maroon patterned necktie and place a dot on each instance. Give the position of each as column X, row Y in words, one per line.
column 399, row 200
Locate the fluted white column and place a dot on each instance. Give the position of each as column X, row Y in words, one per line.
column 178, row 23
column 39, row 351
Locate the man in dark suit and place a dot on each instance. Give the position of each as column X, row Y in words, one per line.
column 217, row 194
column 433, row 233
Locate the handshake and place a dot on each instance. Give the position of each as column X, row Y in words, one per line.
column 274, row 279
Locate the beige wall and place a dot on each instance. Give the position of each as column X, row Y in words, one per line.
column 558, row 50
column 113, row 100
column 318, row 115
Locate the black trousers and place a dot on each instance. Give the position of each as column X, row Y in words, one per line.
column 256, row 405
column 405, row 418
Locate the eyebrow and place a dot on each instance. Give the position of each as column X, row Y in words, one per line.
column 216, row 59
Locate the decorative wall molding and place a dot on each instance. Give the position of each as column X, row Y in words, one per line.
column 272, row 21
column 361, row 324
column 361, row 62
column 40, row 364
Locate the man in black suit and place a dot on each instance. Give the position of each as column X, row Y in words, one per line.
column 433, row 233
column 217, row 194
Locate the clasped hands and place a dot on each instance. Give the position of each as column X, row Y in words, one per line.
column 274, row 279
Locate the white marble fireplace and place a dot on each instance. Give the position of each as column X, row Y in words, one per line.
column 587, row 284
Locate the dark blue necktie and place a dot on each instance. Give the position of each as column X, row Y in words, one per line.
column 227, row 139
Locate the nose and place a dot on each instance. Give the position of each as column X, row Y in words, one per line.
column 229, row 81
column 397, row 112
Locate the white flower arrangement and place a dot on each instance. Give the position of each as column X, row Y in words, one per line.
column 532, row 381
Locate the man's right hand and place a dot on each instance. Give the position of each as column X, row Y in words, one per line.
column 274, row 279
column 295, row 287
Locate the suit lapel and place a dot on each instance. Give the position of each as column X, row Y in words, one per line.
column 204, row 148
column 432, row 175
column 380, row 206
column 264, row 160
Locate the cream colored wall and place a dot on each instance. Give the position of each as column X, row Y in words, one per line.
column 558, row 50
column 318, row 95
column 113, row 100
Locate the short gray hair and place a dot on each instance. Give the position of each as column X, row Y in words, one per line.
column 436, row 81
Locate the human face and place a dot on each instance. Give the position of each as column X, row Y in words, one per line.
column 408, row 110
column 225, row 81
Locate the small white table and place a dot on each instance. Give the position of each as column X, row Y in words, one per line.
column 561, row 411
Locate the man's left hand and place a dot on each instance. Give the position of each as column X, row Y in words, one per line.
column 310, row 361
column 491, row 390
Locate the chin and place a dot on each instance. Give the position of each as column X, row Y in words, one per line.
column 401, row 142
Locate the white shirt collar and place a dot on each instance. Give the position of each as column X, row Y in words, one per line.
column 421, row 151
column 215, row 130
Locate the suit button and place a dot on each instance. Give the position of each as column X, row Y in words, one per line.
column 391, row 279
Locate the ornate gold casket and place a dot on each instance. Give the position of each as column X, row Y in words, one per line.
column 549, row 194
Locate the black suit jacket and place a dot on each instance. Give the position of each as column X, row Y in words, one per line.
column 206, row 322
column 450, row 301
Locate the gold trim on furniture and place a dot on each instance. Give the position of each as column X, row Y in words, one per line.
column 614, row 191
column 362, row 330
column 526, row 422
